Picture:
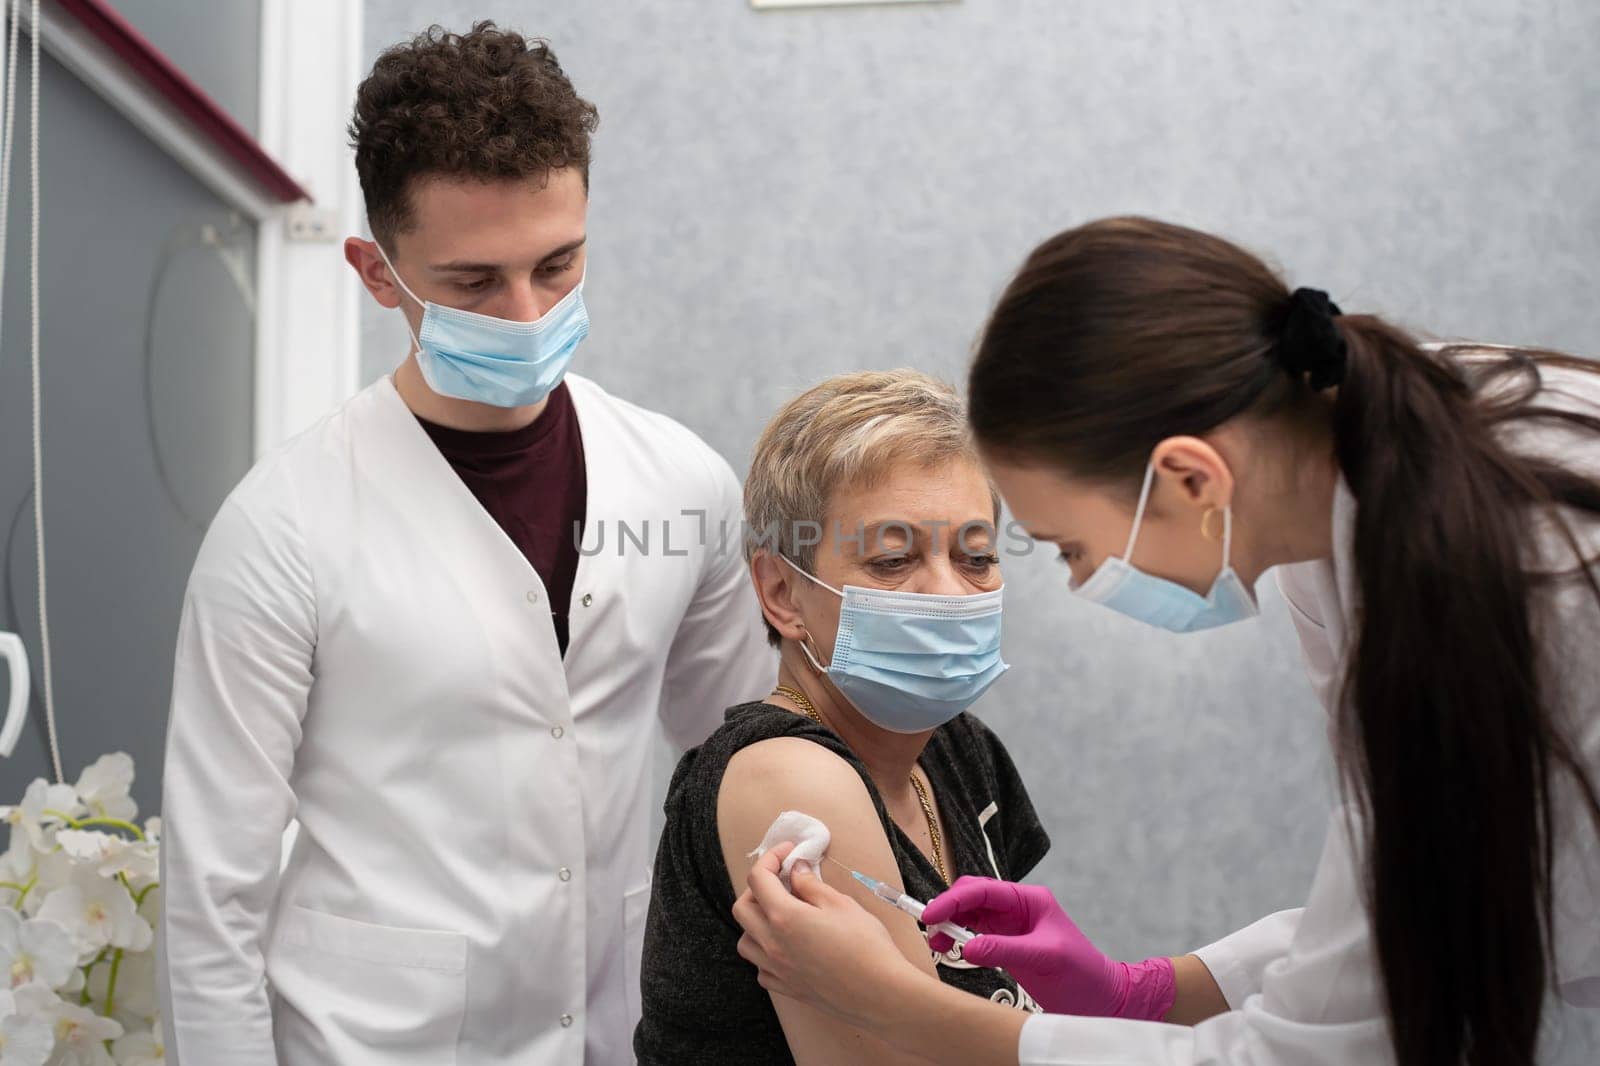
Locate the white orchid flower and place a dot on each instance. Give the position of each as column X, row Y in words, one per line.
column 135, row 860
column 104, row 787
column 135, row 1002
column 111, row 854
column 74, row 983
column 51, row 870
column 25, row 1036
column 16, row 865
column 30, row 816
column 150, row 905
column 84, row 845
column 34, row 950
column 141, row 1048
column 34, row 1000
column 80, row 896
column 81, row 1036
column 98, row 913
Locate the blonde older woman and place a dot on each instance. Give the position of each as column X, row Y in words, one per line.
column 871, row 547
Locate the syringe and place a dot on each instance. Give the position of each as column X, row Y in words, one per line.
column 898, row 899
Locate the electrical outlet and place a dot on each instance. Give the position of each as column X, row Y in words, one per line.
column 308, row 222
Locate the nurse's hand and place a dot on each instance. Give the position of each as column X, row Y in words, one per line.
column 820, row 947
column 1026, row 932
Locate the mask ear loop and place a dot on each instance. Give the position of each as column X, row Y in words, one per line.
column 398, row 280
column 810, row 577
column 812, row 659
column 1138, row 514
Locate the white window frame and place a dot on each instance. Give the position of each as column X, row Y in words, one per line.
column 307, row 330
column 308, row 300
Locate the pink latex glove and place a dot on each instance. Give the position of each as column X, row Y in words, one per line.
column 1026, row 933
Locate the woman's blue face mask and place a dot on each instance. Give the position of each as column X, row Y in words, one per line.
column 910, row 661
column 1123, row 587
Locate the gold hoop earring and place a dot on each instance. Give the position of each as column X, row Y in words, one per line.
column 1205, row 524
column 813, row 659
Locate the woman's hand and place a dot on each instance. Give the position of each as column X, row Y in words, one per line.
column 1026, row 932
column 820, row 947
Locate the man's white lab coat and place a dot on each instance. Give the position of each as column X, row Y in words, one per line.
column 364, row 650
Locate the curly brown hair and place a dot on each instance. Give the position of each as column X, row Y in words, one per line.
column 487, row 104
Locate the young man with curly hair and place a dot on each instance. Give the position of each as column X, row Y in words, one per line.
column 421, row 630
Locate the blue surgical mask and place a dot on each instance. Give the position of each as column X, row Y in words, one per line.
column 491, row 360
column 1125, row 588
column 910, row 661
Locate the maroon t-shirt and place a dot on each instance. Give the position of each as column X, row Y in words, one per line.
column 532, row 482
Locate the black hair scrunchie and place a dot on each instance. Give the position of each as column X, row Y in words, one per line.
column 1309, row 342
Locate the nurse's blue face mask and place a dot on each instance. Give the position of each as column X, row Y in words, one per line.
column 491, row 360
column 1120, row 585
column 910, row 661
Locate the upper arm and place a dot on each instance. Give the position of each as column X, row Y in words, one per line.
column 789, row 773
column 241, row 677
column 243, row 668
column 719, row 655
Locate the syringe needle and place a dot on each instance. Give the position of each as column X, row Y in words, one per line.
column 896, row 898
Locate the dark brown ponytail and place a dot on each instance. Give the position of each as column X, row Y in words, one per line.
column 1118, row 334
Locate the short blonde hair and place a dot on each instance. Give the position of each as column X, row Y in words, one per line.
column 845, row 432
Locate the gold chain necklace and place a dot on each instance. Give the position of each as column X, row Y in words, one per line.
column 804, row 703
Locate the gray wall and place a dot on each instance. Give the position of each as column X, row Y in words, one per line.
column 781, row 196
column 120, row 264
column 216, row 42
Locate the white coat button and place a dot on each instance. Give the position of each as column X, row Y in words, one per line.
column 565, row 874
column 558, row 732
column 588, row 598
column 566, row 1021
column 533, row 597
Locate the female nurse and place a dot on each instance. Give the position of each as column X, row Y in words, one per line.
column 1155, row 402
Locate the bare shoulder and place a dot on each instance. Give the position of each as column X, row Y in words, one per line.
column 794, row 774
column 791, row 774
column 785, row 762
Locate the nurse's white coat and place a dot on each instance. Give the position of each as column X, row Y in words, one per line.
column 1303, row 986
column 362, row 648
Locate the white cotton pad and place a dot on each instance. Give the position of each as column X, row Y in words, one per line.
column 809, row 836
